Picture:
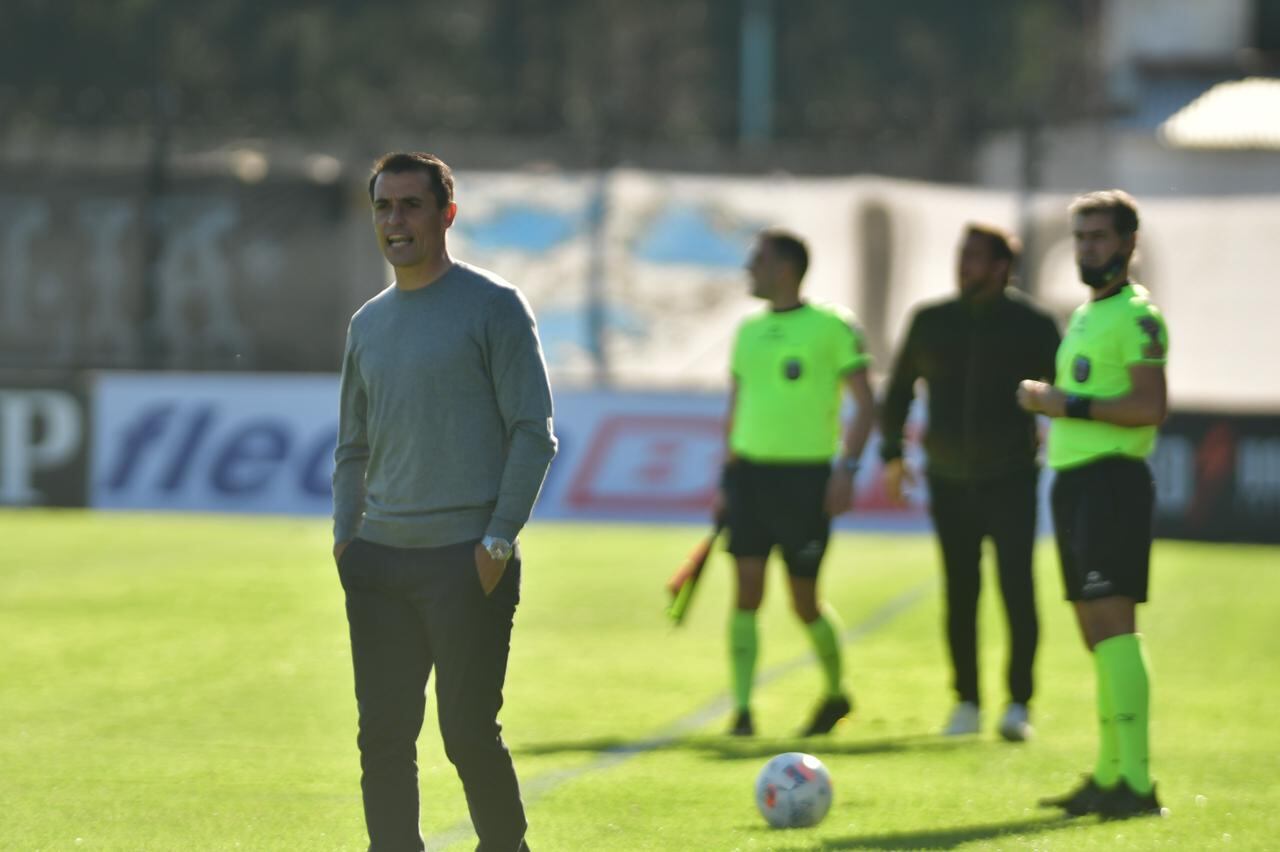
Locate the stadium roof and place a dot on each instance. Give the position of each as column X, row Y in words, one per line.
column 1240, row 114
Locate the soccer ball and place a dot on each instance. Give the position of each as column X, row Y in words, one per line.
column 793, row 790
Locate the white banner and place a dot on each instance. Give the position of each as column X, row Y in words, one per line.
column 659, row 258
column 214, row 442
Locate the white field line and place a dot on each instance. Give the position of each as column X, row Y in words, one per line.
column 540, row 785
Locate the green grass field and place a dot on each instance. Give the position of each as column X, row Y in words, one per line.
column 172, row 683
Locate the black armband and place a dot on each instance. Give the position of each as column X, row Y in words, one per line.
column 1079, row 407
column 890, row 449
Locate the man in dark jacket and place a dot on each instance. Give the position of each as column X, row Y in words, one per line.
column 972, row 351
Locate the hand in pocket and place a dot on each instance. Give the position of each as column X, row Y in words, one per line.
column 489, row 570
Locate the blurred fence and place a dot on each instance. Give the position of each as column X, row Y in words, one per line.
column 636, row 277
column 637, row 282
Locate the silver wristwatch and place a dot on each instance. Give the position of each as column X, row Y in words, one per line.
column 498, row 548
column 848, row 465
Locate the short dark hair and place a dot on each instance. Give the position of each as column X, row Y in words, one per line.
column 789, row 247
column 1003, row 245
column 417, row 161
column 1120, row 204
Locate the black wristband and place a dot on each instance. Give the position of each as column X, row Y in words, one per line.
column 1079, row 407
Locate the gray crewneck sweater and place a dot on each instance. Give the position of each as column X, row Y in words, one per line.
column 444, row 430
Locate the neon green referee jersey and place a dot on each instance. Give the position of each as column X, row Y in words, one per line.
column 790, row 366
column 1104, row 339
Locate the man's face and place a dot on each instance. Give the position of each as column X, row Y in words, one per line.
column 765, row 268
column 1101, row 252
column 409, row 224
column 977, row 268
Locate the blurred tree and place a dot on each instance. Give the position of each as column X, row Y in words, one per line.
column 897, row 87
column 929, row 77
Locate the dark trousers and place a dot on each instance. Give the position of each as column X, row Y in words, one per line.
column 412, row 610
column 964, row 513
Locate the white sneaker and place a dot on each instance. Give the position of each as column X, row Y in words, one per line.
column 965, row 719
column 1014, row 726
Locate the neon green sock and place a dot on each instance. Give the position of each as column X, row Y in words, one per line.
column 826, row 644
column 1107, row 771
column 743, row 649
column 1125, row 667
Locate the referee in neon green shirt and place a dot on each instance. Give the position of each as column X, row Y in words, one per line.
column 1108, row 400
column 790, row 365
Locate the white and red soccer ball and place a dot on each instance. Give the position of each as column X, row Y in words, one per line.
column 793, row 790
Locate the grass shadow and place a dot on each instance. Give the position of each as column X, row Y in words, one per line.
column 745, row 748
column 737, row 748
column 951, row 837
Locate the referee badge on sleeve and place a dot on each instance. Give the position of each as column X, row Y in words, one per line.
column 1080, row 369
column 792, row 369
column 1154, row 349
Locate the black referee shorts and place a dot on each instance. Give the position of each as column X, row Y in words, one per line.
column 779, row 505
column 1102, row 516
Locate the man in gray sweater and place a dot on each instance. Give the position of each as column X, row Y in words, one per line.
column 444, row 439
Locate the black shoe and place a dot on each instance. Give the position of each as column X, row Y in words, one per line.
column 1085, row 799
column 742, row 726
column 831, row 712
column 1122, row 802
